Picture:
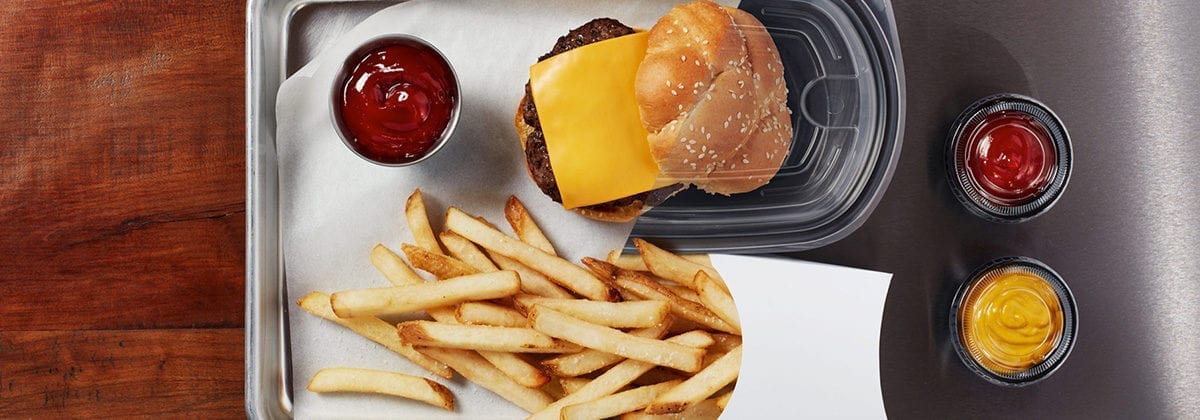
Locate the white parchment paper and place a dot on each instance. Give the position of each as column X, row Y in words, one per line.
column 336, row 206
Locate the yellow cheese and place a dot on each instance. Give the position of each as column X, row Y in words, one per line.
column 589, row 114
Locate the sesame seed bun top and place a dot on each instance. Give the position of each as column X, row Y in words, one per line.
column 713, row 98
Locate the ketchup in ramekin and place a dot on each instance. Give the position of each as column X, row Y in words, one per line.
column 1008, row 157
column 396, row 100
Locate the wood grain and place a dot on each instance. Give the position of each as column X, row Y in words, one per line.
column 122, row 197
column 193, row 373
column 122, row 168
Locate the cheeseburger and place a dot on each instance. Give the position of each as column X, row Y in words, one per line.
column 615, row 120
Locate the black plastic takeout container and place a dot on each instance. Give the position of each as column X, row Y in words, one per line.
column 845, row 84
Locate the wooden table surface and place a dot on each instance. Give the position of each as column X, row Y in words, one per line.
column 122, row 203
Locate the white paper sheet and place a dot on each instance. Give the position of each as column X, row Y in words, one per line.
column 335, row 207
column 810, row 338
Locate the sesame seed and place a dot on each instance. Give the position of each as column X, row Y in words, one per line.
column 707, row 136
column 703, row 148
column 685, row 161
column 673, row 93
column 708, row 95
column 682, row 57
column 668, row 83
column 745, row 160
column 726, row 123
column 670, row 31
column 705, row 42
column 681, row 85
column 700, row 156
column 697, row 62
column 685, row 30
column 691, row 142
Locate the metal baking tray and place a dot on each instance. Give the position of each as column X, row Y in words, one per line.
column 284, row 35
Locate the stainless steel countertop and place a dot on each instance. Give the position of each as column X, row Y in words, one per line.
column 1124, row 76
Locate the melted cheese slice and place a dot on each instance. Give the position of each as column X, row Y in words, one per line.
column 589, row 114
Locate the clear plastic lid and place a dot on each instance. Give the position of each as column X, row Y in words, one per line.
column 846, row 92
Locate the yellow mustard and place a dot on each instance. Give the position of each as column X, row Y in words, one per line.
column 1011, row 321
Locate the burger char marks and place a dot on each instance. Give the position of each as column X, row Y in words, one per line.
column 536, row 154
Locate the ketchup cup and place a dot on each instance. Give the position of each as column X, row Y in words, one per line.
column 1008, row 158
column 395, row 100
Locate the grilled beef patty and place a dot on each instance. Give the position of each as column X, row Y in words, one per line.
column 536, row 155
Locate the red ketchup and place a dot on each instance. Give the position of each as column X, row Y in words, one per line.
column 1011, row 157
column 397, row 101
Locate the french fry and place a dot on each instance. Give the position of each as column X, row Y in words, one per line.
column 673, row 267
column 532, row 282
column 480, row 337
column 441, row 266
column 723, row 400
column 412, row 298
column 626, row 261
column 418, row 223
column 393, row 267
column 635, row 262
column 680, row 325
column 662, row 374
column 616, row 377
column 617, row 404
column 704, row 410
column 589, row 360
column 726, row 342
column 636, row 314
column 717, row 300
column 503, row 305
column 683, row 292
column 510, row 364
column 700, row 386
column 380, row 382
column 558, row 325
column 570, row 385
column 373, row 329
column 554, row 389
column 557, row 269
column 522, row 223
column 477, row 370
column 467, row 252
column 516, row 368
column 482, row 313
column 644, row 287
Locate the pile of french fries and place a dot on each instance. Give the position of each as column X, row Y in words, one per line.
column 654, row 335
